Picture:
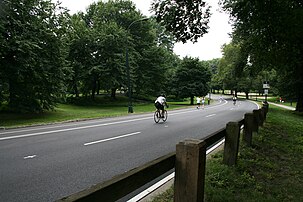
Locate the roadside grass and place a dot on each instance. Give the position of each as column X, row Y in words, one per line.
column 270, row 170
column 270, row 98
column 83, row 109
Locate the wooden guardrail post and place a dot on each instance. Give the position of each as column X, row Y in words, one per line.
column 231, row 145
column 190, row 171
column 248, row 128
column 261, row 116
column 265, row 105
column 256, row 120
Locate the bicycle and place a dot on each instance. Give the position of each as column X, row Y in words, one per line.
column 158, row 116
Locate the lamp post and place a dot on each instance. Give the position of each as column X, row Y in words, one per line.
column 130, row 104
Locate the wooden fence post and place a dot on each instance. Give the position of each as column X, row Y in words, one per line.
column 190, row 171
column 256, row 120
column 231, row 145
column 248, row 128
column 261, row 116
column 265, row 105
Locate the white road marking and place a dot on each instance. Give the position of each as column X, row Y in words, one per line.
column 30, row 157
column 113, row 138
column 98, row 125
column 210, row 115
column 166, row 179
column 70, row 129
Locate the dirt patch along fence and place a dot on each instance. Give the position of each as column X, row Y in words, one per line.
column 189, row 162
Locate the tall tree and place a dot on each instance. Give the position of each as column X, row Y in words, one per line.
column 32, row 56
column 114, row 21
column 271, row 32
column 192, row 79
column 231, row 66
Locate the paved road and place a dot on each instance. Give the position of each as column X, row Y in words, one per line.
column 46, row 163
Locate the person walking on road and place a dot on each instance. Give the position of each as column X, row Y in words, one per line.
column 203, row 102
column 234, row 100
column 198, row 102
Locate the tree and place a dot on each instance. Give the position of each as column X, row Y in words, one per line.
column 271, row 33
column 32, row 54
column 231, row 66
column 186, row 20
column 112, row 21
column 192, row 79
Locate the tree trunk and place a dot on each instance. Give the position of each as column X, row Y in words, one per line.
column 192, row 100
column 299, row 106
column 236, row 93
column 94, row 87
column 113, row 93
column 98, row 87
column 12, row 96
column 76, row 91
column 246, row 93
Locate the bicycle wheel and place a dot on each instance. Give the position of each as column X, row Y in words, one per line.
column 157, row 116
column 165, row 116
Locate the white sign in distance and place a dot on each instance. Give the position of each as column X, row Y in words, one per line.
column 266, row 86
column 266, row 91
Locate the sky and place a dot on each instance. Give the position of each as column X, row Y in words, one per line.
column 208, row 47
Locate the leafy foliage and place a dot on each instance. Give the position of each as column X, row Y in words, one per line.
column 32, row 55
column 186, row 20
column 271, row 34
column 192, row 79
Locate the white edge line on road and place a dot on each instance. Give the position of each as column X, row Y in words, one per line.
column 97, row 125
column 113, row 138
column 70, row 129
column 166, row 179
column 152, row 188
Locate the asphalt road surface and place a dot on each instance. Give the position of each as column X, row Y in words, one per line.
column 46, row 163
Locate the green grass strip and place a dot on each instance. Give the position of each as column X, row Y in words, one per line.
column 270, row 170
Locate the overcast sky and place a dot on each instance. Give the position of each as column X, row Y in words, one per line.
column 207, row 47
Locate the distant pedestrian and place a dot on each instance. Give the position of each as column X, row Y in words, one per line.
column 198, row 102
column 234, row 100
column 203, row 102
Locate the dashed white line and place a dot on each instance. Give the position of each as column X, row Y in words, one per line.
column 113, row 138
column 30, row 157
column 93, row 126
column 210, row 115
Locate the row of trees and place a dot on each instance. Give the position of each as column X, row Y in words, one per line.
column 269, row 35
column 47, row 54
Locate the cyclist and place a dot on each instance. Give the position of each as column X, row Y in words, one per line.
column 160, row 103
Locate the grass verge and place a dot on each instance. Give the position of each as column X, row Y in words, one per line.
column 81, row 111
column 270, row 170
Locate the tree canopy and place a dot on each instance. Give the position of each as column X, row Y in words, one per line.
column 32, row 55
column 192, row 78
column 186, row 20
column 271, row 35
column 47, row 55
